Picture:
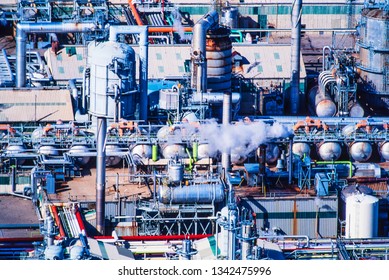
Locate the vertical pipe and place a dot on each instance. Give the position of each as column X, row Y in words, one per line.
column 100, row 175
column 246, row 242
column 295, row 56
column 290, row 167
column 226, row 119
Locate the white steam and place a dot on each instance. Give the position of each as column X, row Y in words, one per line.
column 177, row 24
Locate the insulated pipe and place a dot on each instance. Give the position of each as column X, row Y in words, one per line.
column 226, row 155
column 135, row 13
column 295, row 56
column 199, row 61
column 143, row 59
column 22, row 29
column 100, row 174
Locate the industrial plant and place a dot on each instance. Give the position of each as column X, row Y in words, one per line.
column 194, row 130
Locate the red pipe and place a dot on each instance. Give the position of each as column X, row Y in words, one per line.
column 135, row 13
column 158, row 237
column 58, row 221
column 79, row 220
column 167, row 29
column 20, row 239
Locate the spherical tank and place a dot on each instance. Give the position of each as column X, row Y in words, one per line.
column 112, row 79
column 361, row 216
column 142, row 150
column 111, row 159
column 330, row 150
column 173, row 150
column 80, row 149
column 219, row 59
column 384, row 150
column 48, row 151
column 356, row 110
column 301, row 149
column 361, row 151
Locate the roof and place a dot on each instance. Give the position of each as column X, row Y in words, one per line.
column 258, row 61
column 68, row 63
column 36, row 105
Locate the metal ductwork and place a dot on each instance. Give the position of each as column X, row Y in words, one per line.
column 226, row 155
column 295, row 57
column 198, row 53
column 22, row 29
column 143, row 32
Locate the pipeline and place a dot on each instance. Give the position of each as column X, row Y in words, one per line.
column 295, row 57
column 52, row 27
column 339, row 162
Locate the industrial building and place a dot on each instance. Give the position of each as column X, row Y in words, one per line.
column 171, row 130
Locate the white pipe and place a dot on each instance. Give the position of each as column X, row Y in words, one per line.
column 22, row 29
column 143, row 32
column 199, row 61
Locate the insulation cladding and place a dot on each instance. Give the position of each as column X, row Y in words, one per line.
column 219, row 59
column 311, row 216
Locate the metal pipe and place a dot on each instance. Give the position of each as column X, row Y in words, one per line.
column 22, row 29
column 198, row 52
column 350, row 172
column 226, row 119
column 290, row 167
column 135, row 13
column 295, row 56
column 143, row 59
column 100, row 174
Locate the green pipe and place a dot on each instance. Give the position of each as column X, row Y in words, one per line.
column 190, row 167
column 339, row 162
column 195, row 151
column 154, row 152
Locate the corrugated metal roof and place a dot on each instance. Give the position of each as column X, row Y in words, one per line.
column 68, row 63
column 35, row 105
column 259, row 61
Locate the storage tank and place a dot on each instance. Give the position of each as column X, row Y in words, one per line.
column 112, row 80
column 112, row 155
column 48, row 150
column 14, row 150
column 360, row 151
column 329, row 150
column 142, row 150
column 321, row 103
column 361, row 216
column 202, row 193
column 301, row 149
column 219, row 59
column 374, row 50
column 175, row 171
column 80, row 149
column 170, row 151
column 230, row 17
column 384, row 150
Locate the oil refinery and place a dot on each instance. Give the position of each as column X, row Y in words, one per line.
column 194, row 130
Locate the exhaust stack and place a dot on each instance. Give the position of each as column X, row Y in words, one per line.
column 295, row 57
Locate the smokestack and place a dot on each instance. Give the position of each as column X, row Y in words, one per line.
column 262, row 160
column 226, row 119
column 295, row 57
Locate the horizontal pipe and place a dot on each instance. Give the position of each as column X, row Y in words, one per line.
column 158, row 237
column 339, row 162
column 168, row 29
column 22, row 29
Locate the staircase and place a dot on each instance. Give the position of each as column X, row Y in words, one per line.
column 6, row 76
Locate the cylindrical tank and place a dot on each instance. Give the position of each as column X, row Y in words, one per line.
column 230, row 17
column 361, row 151
column 355, row 110
column 202, row 193
column 329, row 150
column 48, row 151
column 54, row 252
column 154, row 152
column 112, row 79
column 384, row 150
column 170, row 151
column 301, row 149
column 112, row 158
column 80, row 149
column 322, row 103
column 142, row 150
column 272, row 153
column 203, row 151
column 351, row 190
column 374, row 48
column 219, row 60
column 361, row 216
column 175, row 172
column 15, row 149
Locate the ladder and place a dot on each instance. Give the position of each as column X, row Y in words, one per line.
column 6, row 76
